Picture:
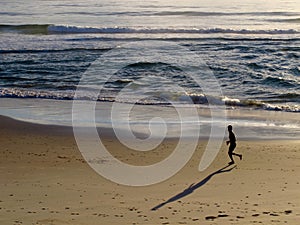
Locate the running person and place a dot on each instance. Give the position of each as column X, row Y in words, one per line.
column 232, row 141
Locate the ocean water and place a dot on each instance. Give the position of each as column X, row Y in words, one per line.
column 251, row 47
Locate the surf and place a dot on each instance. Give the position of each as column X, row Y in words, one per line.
column 47, row 29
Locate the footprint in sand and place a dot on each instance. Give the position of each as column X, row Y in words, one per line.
column 222, row 215
column 210, row 217
column 288, row 212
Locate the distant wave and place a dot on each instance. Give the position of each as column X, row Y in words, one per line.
column 199, row 13
column 186, row 13
column 25, row 28
column 181, row 99
column 67, row 29
column 278, row 81
column 76, row 29
column 293, row 20
column 190, row 38
column 296, row 20
column 29, row 51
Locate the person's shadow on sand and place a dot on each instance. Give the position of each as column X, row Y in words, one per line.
column 193, row 187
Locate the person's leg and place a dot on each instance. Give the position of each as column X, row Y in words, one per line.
column 232, row 147
column 239, row 155
column 230, row 153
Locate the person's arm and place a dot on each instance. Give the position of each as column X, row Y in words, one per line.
column 227, row 142
column 231, row 138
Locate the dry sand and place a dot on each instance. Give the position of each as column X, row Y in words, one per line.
column 44, row 180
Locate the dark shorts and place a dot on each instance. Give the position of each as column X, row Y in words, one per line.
column 232, row 147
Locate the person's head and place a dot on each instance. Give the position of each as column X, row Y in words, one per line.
column 229, row 128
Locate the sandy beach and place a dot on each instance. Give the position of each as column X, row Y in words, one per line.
column 45, row 180
column 169, row 77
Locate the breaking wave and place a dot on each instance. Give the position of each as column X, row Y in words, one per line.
column 68, row 29
column 198, row 99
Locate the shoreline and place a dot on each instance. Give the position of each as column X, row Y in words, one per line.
column 17, row 125
column 46, row 181
column 249, row 124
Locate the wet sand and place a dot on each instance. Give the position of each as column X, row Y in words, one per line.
column 45, row 180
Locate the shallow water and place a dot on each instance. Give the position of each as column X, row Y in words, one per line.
column 246, row 122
